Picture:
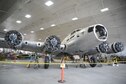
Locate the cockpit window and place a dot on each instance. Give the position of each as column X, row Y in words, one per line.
column 75, row 31
column 67, row 40
column 90, row 29
column 72, row 36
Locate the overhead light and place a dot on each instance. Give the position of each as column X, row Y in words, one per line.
column 39, row 39
column 18, row 21
column 25, row 34
column 53, row 25
column 49, row 3
column 104, row 9
column 41, row 28
column 32, row 31
column 5, row 30
column 28, row 16
column 75, row 18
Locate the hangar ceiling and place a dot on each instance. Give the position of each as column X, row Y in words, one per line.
column 61, row 14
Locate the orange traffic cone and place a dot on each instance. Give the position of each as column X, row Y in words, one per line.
column 62, row 74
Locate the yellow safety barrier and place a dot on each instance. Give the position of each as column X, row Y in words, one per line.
column 12, row 62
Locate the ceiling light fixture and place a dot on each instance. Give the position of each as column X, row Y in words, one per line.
column 32, row 31
column 49, row 3
column 53, row 25
column 25, row 34
column 28, row 16
column 75, row 18
column 39, row 39
column 5, row 30
column 104, row 9
column 41, row 28
column 18, row 21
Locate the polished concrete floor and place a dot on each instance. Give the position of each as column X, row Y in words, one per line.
column 19, row 74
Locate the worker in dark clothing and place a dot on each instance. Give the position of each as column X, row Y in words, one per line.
column 46, row 60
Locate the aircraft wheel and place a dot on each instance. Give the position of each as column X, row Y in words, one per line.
column 46, row 65
column 93, row 61
column 82, row 65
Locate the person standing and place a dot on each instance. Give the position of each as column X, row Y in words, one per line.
column 115, row 61
column 36, row 59
column 31, row 60
column 46, row 60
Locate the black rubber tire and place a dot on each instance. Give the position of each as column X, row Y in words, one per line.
column 46, row 66
column 82, row 66
column 93, row 60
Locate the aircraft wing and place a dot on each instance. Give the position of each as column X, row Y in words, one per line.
column 25, row 45
column 13, row 39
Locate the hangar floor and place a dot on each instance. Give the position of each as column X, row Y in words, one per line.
column 19, row 74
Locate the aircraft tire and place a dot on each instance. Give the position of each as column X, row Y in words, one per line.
column 46, row 65
column 93, row 61
column 82, row 66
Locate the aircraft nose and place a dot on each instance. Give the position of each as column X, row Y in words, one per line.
column 101, row 32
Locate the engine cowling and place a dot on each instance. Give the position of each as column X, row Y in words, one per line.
column 13, row 38
column 52, row 44
column 117, row 47
column 103, row 47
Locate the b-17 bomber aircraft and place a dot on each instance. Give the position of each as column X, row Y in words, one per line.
column 90, row 41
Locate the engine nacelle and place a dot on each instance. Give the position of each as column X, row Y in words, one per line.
column 103, row 47
column 52, row 44
column 116, row 47
column 13, row 38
